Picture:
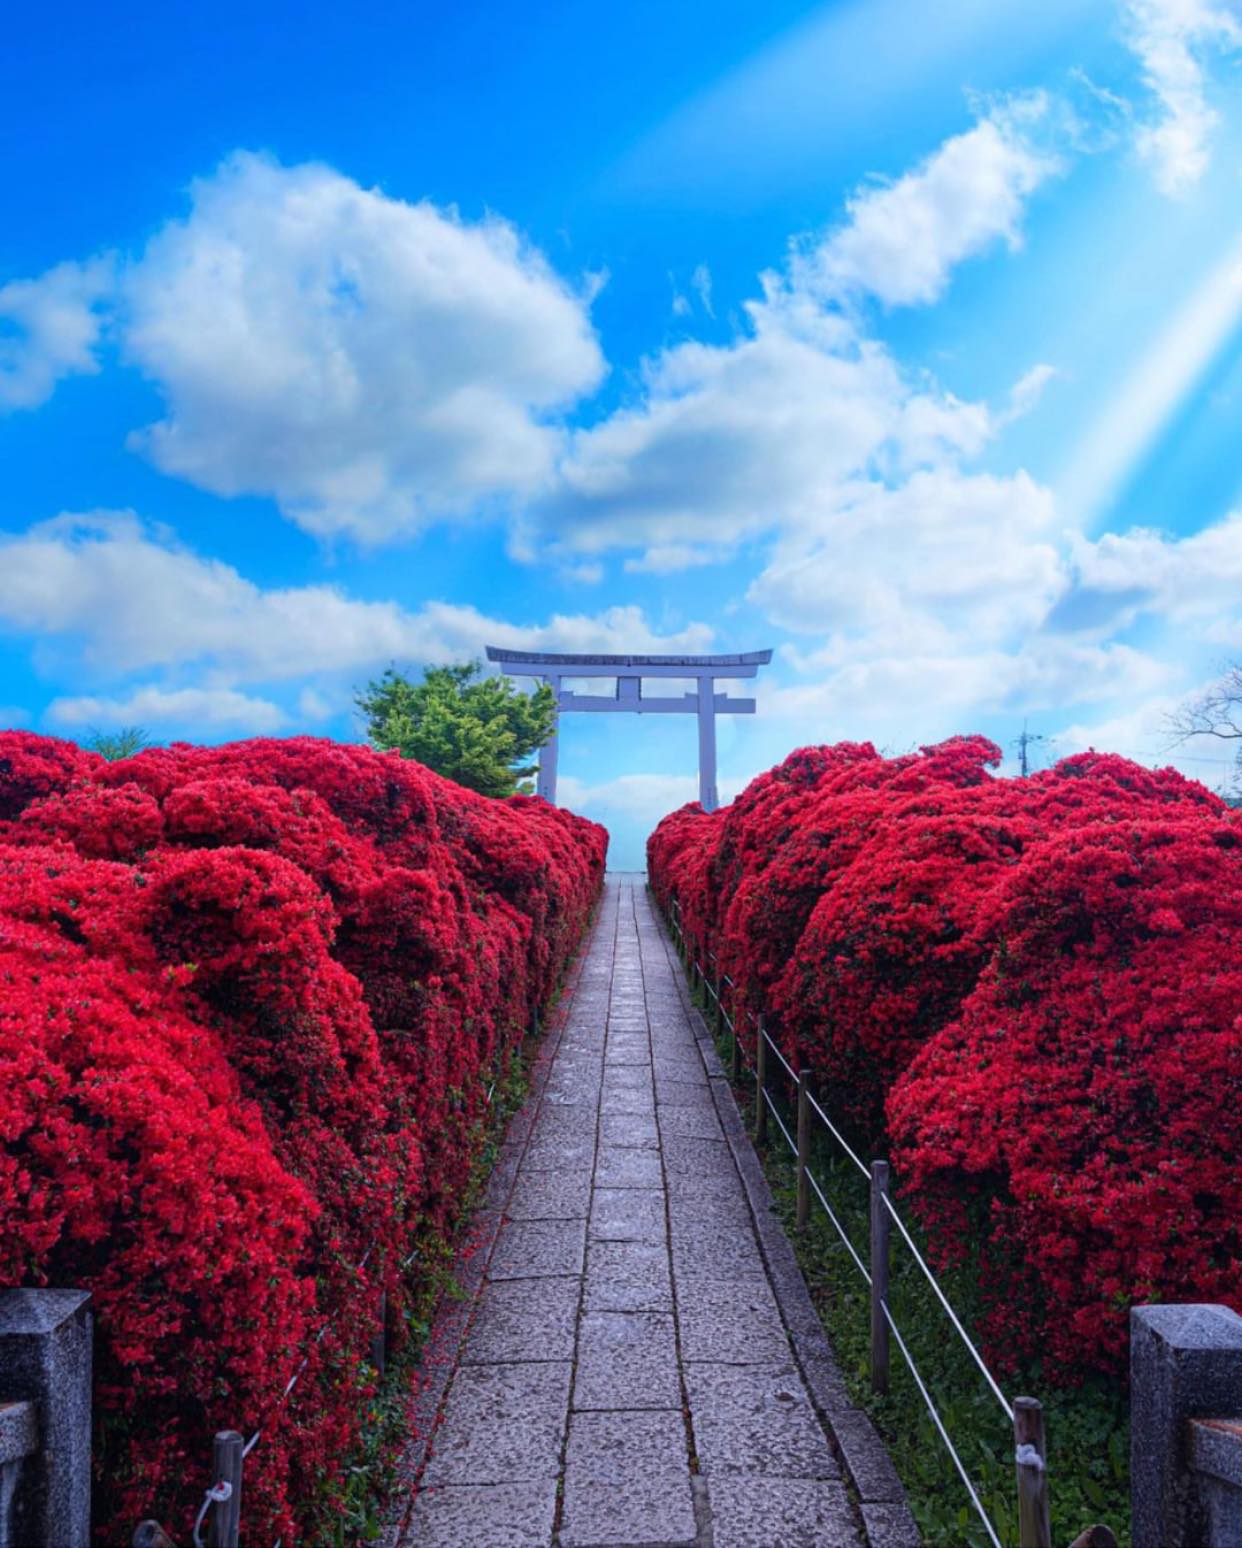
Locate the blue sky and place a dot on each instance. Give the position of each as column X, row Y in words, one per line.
column 330, row 338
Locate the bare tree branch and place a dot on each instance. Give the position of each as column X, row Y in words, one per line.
column 1218, row 712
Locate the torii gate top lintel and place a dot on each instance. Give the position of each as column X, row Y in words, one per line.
column 629, row 671
column 562, row 661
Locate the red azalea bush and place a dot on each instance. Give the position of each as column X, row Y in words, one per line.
column 1028, row 991
column 253, row 998
column 1081, row 1119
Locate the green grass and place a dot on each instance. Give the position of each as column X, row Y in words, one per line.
column 366, row 1485
column 1087, row 1429
column 367, row 1481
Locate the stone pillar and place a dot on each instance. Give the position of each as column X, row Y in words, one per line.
column 45, row 1360
column 1185, row 1363
column 708, row 799
column 1215, row 1451
column 545, row 785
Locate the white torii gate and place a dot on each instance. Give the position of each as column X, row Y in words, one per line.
column 628, row 697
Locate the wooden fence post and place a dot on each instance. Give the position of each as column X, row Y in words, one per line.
column 804, row 1152
column 1034, row 1524
column 880, row 1224
column 735, row 1070
column 224, row 1518
column 761, row 1082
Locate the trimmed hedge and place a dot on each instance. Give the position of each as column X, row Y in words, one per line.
column 1028, row 992
column 251, row 998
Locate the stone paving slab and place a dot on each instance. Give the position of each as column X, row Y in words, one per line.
column 637, row 1363
column 628, row 1215
column 627, row 1480
column 750, row 1510
column 502, row 1424
column 756, row 1419
column 525, row 1319
column 617, row 1166
column 627, row 1359
column 627, row 1276
column 512, row 1515
column 550, row 1195
column 732, row 1324
column 553, row 1155
column 528, row 1249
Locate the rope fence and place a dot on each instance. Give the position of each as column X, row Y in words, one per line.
column 1025, row 1414
column 220, row 1511
column 221, row 1507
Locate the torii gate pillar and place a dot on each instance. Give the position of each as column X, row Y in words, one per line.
column 545, row 783
column 628, row 673
column 708, row 798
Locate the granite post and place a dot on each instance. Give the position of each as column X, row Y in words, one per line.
column 45, row 1360
column 1185, row 1364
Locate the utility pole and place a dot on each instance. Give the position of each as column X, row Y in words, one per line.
column 1022, row 743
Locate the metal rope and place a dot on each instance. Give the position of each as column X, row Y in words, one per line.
column 952, row 1315
column 789, row 1139
column 289, row 1386
column 219, row 1491
column 938, row 1422
column 861, row 1266
column 839, row 1137
column 789, row 1069
column 841, row 1231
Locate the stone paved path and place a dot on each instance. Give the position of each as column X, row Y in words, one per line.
column 636, row 1363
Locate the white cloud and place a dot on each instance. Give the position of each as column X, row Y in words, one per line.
column 630, row 805
column 589, row 573
column 50, row 328
column 313, row 705
column 903, row 239
column 1169, row 38
column 949, row 557
column 917, row 574
column 630, row 795
column 668, row 558
column 908, row 695
column 1026, row 392
column 212, row 709
column 919, row 619
column 701, row 280
column 734, row 440
column 129, row 599
column 780, row 427
column 371, row 364
column 1190, row 581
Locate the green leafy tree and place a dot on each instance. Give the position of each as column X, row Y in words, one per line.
column 118, row 744
column 475, row 729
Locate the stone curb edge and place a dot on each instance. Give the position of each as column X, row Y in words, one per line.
column 882, row 1499
column 452, row 1316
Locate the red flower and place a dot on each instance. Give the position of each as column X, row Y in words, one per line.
column 251, row 998
column 1027, row 990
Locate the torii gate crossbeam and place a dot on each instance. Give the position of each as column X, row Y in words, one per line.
column 628, row 697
